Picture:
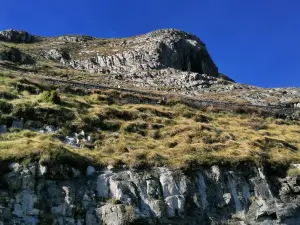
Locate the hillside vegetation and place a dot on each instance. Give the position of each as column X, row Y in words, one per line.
column 136, row 135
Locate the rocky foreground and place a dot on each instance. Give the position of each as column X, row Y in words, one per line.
column 37, row 194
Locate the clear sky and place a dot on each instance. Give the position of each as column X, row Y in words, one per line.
column 255, row 42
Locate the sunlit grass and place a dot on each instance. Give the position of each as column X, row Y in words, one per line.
column 141, row 135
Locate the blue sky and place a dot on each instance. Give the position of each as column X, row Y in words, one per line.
column 255, row 42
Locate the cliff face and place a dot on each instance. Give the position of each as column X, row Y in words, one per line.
column 36, row 194
column 168, row 48
column 163, row 58
column 156, row 50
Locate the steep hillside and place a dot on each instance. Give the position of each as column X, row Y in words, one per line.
column 140, row 130
column 166, row 60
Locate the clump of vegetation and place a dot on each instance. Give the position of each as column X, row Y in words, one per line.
column 138, row 127
column 293, row 172
column 5, row 107
column 114, row 201
column 202, row 118
column 7, row 95
column 50, row 97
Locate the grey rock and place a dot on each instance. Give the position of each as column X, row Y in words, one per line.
column 50, row 129
column 73, row 141
column 166, row 57
column 90, row 170
column 75, row 38
column 216, row 195
column 3, row 129
column 227, row 198
column 56, row 55
column 18, row 124
column 16, row 36
column 116, row 214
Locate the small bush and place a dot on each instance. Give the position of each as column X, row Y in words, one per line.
column 172, row 144
column 24, row 109
column 114, row 201
column 51, row 97
column 5, row 107
column 27, row 87
column 111, row 125
column 246, row 110
column 136, row 127
column 7, row 95
column 202, row 118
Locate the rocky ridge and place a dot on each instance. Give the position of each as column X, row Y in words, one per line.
column 167, row 60
column 16, row 36
column 162, row 58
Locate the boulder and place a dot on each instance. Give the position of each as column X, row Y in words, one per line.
column 3, row 129
column 18, row 124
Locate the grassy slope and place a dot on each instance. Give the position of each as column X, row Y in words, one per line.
column 140, row 134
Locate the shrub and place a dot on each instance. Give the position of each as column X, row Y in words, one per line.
column 202, row 118
column 5, row 107
column 114, row 201
column 7, row 95
column 51, row 97
column 136, row 127
column 246, row 110
column 24, row 109
column 27, row 87
column 172, row 144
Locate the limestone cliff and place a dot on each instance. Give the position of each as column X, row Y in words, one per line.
column 37, row 194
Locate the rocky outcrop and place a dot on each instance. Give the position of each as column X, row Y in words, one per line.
column 163, row 58
column 37, row 194
column 16, row 36
column 15, row 55
column 160, row 49
column 75, row 38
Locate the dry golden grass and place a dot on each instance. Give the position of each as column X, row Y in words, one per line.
column 142, row 135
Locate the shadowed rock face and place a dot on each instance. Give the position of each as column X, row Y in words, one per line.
column 182, row 51
column 16, row 36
